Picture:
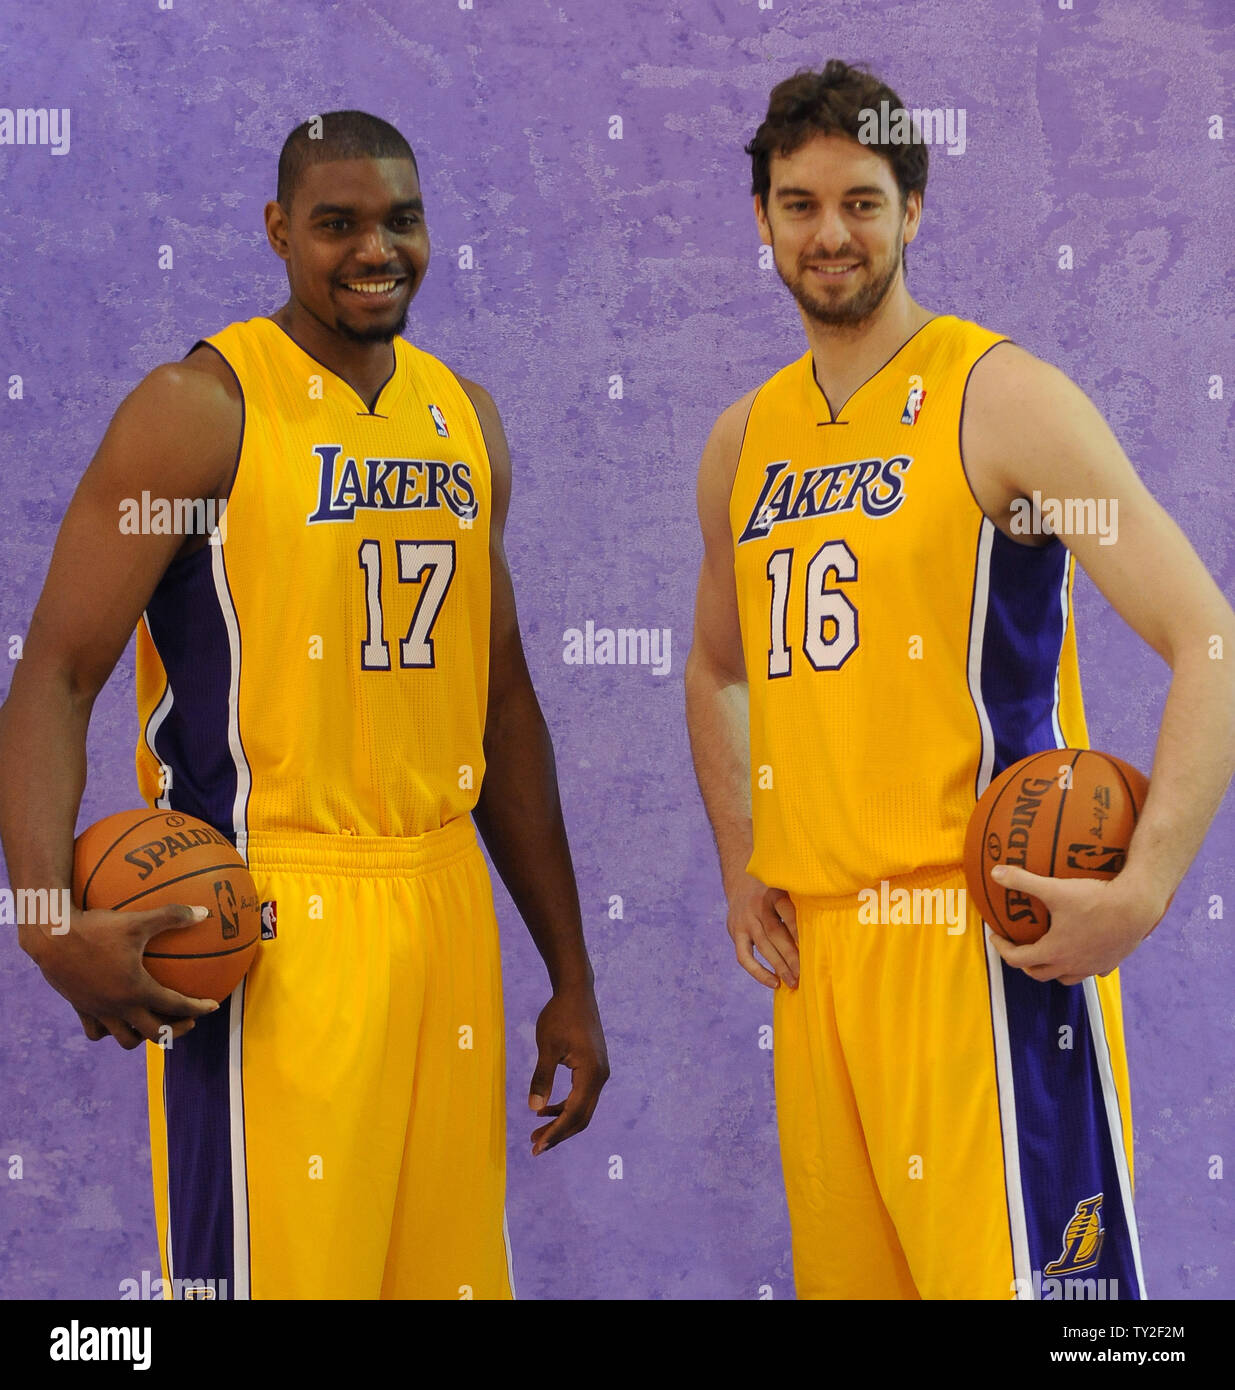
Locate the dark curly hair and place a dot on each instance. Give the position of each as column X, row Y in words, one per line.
column 830, row 102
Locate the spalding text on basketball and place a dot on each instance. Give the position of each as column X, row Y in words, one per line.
column 1020, row 906
column 148, row 857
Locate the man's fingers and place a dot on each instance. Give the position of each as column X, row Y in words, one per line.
column 1021, row 957
column 1001, row 944
column 152, row 1028
column 562, row 1127
column 93, row 1029
column 173, row 917
column 748, row 962
column 574, row 1113
column 542, row 1083
column 1034, row 959
column 160, row 1000
column 776, row 946
column 551, row 1135
column 127, row 1037
column 782, row 905
column 1021, row 880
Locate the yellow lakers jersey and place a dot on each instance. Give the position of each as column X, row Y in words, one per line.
column 900, row 649
column 322, row 665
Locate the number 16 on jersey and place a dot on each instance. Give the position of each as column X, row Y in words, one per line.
column 830, row 634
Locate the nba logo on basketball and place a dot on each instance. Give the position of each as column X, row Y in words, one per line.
column 225, row 901
column 913, row 404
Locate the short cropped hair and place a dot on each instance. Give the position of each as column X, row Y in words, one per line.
column 336, row 135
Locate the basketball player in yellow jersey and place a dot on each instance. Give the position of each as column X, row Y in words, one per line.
column 335, row 680
column 875, row 638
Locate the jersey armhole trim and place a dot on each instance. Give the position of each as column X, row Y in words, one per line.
column 737, row 463
column 231, row 482
column 960, row 448
column 480, row 429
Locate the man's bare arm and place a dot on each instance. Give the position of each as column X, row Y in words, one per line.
column 717, row 693
column 519, row 816
column 718, row 718
column 1028, row 428
column 175, row 435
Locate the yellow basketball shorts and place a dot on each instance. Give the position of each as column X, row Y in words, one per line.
column 337, row 1129
column 949, row 1127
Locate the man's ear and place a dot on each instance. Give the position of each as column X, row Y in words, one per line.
column 761, row 218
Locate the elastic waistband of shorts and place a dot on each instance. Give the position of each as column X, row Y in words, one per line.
column 359, row 856
column 926, row 878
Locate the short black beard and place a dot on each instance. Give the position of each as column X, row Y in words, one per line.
column 856, row 311
column 373, row 335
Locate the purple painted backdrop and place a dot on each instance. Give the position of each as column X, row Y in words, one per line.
column 1088, row 127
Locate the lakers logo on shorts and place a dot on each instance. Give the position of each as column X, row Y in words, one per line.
column 1082, row 1239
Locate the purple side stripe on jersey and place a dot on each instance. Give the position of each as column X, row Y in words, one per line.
column 197, row 737
column 1021, row 645
column 1064, row 1141
column 190, row 633
column 197, row 1100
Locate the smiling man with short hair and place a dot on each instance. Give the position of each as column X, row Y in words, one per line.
column 338, row 685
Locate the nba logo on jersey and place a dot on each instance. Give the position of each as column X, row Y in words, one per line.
column 270, row 921
column 913, row 404
column 439, row 421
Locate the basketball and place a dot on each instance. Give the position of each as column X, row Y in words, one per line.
column 136, row 860
column 1063, row 813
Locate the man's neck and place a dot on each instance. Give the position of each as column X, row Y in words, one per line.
column 366, row 367
column 847, row 355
